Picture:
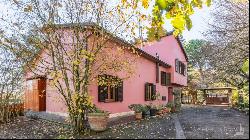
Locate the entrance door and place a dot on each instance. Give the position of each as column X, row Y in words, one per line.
column 170, row 94
column 35, row 95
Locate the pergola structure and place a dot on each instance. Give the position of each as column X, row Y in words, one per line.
column 217, row 100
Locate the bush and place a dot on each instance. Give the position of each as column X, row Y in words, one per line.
column 145, row 109
column 235, row 98
column 94, row 109
column 170, row 104
column 10, row 107
column 136, row 107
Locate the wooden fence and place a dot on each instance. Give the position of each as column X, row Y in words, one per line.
column 8, row 112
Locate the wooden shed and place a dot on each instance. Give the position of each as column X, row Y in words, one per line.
column 217, row 99
column 35, row 93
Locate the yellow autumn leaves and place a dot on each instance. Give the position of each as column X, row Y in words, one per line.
column 85, row 100
column 177, row 11
column 145, row 3
column 178, row 23
column 28, row 8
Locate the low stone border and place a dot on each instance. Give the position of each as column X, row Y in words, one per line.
column 58, row 118
column 115, row 119
column 46, row 116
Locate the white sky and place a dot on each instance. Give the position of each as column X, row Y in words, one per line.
column 199, row 20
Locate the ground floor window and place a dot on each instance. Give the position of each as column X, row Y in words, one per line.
column 150, row 92
column 110, row 88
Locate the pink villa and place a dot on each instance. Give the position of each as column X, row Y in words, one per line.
column 161, row 68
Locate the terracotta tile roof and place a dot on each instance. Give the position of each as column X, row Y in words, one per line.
column 118, row 39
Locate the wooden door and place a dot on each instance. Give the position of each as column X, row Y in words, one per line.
column 170, row 94
column 35, row 94
column 42, row 94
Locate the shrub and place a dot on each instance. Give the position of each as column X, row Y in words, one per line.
column 235, row 98
column 136, row 107
column 159, row 107
column 170, row 104
column 94, row 109
column 145, row 108
column 11, row 106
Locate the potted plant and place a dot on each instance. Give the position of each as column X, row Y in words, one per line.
column 138, row 109
column 165, row 110
column 153, row 110
column 171, row 106
column 145, row 111
column 98, row 119
column 159, row 109
column 177, row 107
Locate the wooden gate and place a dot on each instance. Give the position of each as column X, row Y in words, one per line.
column 35, row 94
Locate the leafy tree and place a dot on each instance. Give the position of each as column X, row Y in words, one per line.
column 70, row 43
column 11, row 87
column 199, row 52
column 229, row 31
column 200, row 70
column 177, row 11
column 39, row 25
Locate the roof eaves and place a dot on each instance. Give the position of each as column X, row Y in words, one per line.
column 179, row 42
column 92, row 24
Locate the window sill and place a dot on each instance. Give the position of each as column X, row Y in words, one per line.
column 109, row 100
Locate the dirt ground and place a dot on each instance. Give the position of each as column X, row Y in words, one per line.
column 203, row 122
column 150, row 128
column 211, row 122
column 25, row 128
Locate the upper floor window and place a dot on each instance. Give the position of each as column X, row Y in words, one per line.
column 165, row 78
column 180, row 67
column 110, row 88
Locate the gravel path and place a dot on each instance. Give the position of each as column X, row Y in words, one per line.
column 202, row 122
column 179, row 130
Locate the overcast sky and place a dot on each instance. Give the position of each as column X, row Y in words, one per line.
column 199, row 20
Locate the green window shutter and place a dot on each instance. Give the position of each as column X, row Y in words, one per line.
column 168, row 79
column 153, row 92
column 162, row 78
column 181, row 70
column 102, row 93
column 179, row 63
column 185, row 70
column 120, row 92
column 176, row 65
column 157, row 72
column 146, row 92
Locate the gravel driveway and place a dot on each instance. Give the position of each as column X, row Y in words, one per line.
column 192, row 122
column 201, row 122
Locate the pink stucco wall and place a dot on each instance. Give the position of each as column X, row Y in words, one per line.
column 133, row 88
column 168, row 50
